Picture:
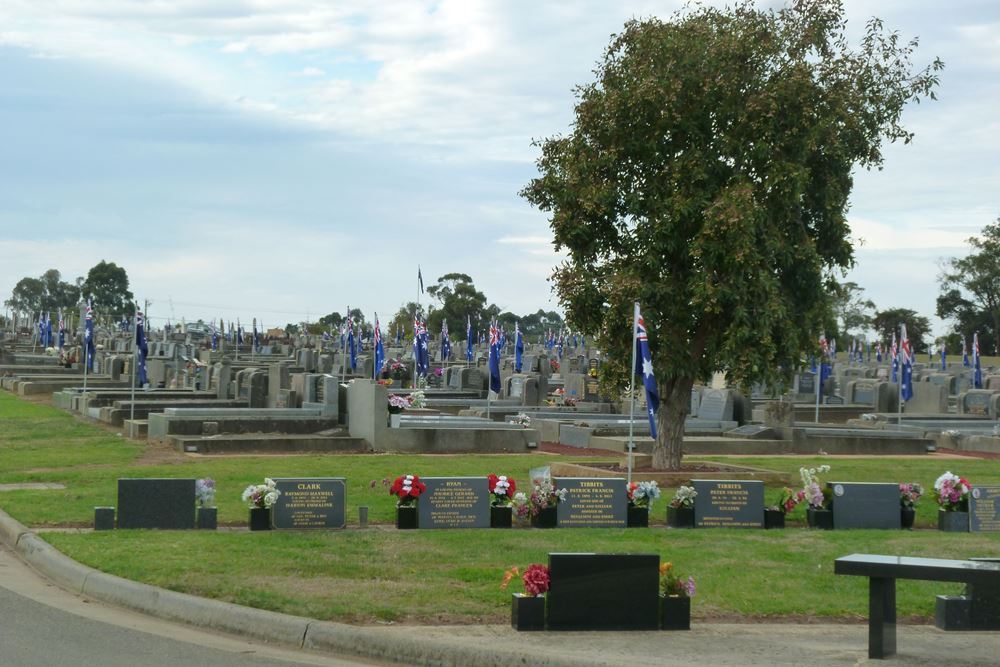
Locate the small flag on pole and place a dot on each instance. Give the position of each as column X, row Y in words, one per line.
column 140, row 345
column 379, row 351
column 906, row 389
column 644, row 366
column 88, row 335
column 494, row 358
column 518, row 347
column 977, row 376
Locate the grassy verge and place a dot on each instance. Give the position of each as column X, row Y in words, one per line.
column 441, row 576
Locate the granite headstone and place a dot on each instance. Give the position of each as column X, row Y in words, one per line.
column 593, row 503
column 729, row 503
column 312, row 502
column 454, row 502
column 865, row 505
column 156, row 503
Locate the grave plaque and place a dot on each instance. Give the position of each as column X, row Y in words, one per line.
column 454, row 502
column 977, row 403
column 865, row 505
column 603, row 591
column 312, row 502
column 729, row 503
column 807, row 383
column 156, row 503
column 864, row 394
column 984, row 509
column 593, row 503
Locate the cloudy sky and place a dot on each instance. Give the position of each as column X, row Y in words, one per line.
column 285, row 158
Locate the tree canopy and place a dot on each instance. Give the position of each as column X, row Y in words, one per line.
column 47, row 293
column 970, row 288
column 707, row 177
column 107, row 283
column 886, row 322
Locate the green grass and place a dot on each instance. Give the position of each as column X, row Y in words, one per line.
column 442, row 576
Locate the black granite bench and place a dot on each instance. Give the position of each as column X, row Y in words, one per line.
column 882, row 572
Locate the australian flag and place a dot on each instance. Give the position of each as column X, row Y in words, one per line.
column 256, row 336
column 894, row 356
column 351, row 350
column 140, row 346
column 445, row 340
column 878, row 352
column 215, row 337
column 90, row 348
column 62, row 330
column 494, row 358
column 468, row 339
column 965, row 353
column 379, row 351
column 123, row 325
column 944, row 365
column 518, row 347
column 977, row 375
column 239, row 333
column 644, row 366
column 906, row 390
column 421, row 354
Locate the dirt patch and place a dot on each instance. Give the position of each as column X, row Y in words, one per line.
column 992, row 456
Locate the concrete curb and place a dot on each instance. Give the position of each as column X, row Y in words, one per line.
column 267, row 626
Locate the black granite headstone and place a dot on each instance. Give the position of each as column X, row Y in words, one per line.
column 454, row 502
column 984, row 509
column 156, row 503
column 603, row 591
column 593, row 503
column 865, row 505
column 729, row 503
column 311, row 502
column 807, row 383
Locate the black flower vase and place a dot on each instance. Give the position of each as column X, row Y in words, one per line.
column 546, row 518
column 406, row 517
column 260, row 518
column 501, row 516
column 774, row 519
column 638, row 517
column 675, row 612
column 821, row 519
column 208, row 518
column 953, row 522
column 906, row 517
column 680, row 517
column 527, row 612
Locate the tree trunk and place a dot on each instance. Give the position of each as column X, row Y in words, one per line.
column 675, row 404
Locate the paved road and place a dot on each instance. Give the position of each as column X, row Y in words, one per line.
column 43, row 626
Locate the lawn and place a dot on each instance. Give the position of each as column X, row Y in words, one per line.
column 440, row 576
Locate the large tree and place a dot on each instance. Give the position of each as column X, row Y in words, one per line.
column 918, row 328
column 707, row 177
column 107, row 283
column 47, row 293
column 458, row 300
column 851, row 310
column 970, row 287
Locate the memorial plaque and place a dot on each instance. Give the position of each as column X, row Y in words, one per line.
column 977, row 403
column 593, row 503
column 807, row 383
column 984, row 509
column 310, row 503
column 454, row 502
column 865, row 505
column 603, row 591
column 156, row 503
column 728, row 503
column 864, row 394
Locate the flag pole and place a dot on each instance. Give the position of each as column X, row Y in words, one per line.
column 135, row 364
column 818, row 379
column 631, row 392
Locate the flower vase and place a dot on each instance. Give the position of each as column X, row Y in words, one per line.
column 406, row 517
column 208, row 518
column 546, row 518
column 675, row 612
column 680, row 517
column 821, row 519
column 501, row 516
column 953, row 522
column 774, row 519
column 638, row 517
column 527, row 612
column 260, row 518
column 906, row 517
column 394, row 419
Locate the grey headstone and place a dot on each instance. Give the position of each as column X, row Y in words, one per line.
column 310, row 502
column 729, row 503
column 593, row 503
column 716, row 405
column 454, row 502
column 865, row 505
column 984, row 509
column 156, row 503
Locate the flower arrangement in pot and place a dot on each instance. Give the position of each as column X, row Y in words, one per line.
column 260, row 498
column 208, row 513
column 527, row 610
column 819, row 514
column 676, row 592
column 787, row 500
column 680, row 511
column 909, row 494
column 640, row 497
column 502, row 490
column 398, row 403
column 952, row 495
column 540, row 504
column 407, row 489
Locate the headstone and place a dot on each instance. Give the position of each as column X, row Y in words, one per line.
column 865, row 505
column 716, row 405
column 156, row 503
column 603, row 591
column 454, row 502
column 729, row 503
column 833, row 400
column 984, row 509
column 593, row 503
column 975, row 402
column 316, row 502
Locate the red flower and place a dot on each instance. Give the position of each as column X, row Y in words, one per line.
column 631, row 490
column 510, row 489
column 536, row 579
column 407, row 486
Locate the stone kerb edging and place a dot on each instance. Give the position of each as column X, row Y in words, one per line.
column 263, row 625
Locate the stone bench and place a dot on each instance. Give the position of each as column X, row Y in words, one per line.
column 882, row 572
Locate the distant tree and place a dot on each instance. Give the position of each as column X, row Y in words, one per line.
column 970, row 288
column 458, row 301
column 538, row 323
column 707, row 176
column 886, row 322
column 332, row 321
column 107, row 283
column 403, row 320
column 852, row 311
column 27, row 296
column 47, row 293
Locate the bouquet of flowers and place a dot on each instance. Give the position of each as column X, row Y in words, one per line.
column 909, row 494
column 407, row 488
column 261, row 495
column 522, row 419
column 952, row 492
column 672, row 583
column 684, row 498
column 642, row 494
column 543, row 494
column 788, row 499
column 818, row 497
column 502, row 488
column 418, row 399
column 535, row 579
column 204, row 491
column 397, row 403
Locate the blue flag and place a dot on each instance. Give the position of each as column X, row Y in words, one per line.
column 351, row 350
column 825, row 371
column 468, row 339
column 894, row 356
column 977, row 376
column 143, row 350
column 239, row 333
column 494, row 358
column 906, row 388
column 90, row 347
column 379, row 351
column 944, row 365
column 965, row 353
column 256, row 336
column 421, row 353
column 48, row 331
column 62, row 330
column 445, row 341
column 644, row 366
column 215, row 337
column 518, row 347
column 878, row 352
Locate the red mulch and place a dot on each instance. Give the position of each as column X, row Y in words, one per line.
column 971, row 455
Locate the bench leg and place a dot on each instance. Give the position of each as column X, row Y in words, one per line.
column 881, row 617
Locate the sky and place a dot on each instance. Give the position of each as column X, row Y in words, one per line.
column 287, row 159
